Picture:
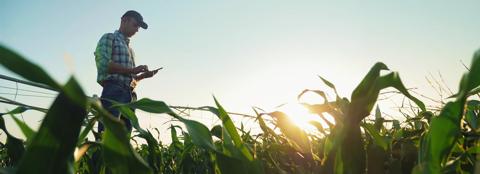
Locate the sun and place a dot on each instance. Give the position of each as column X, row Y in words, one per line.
column 301, row 117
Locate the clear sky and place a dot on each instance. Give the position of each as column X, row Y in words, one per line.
column 249, row 53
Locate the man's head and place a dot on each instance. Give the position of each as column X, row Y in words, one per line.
column 131, row 21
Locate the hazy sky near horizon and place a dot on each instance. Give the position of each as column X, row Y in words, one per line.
column 250, row 53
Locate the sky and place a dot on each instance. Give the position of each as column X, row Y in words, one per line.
column 247, row 53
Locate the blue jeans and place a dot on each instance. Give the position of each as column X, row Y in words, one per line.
column 120, row 93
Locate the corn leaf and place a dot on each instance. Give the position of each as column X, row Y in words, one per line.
column 15, row 148
column 379, row 140
column 57, row 136
column 119, row 155
column 30, row 71
column 444, row 131
column 26, row 130
column 232, row 131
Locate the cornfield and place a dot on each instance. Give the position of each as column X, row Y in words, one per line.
column 426, row 142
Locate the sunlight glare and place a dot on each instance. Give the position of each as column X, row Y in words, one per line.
column 300, row 116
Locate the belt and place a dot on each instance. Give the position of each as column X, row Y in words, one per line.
column 117, row 83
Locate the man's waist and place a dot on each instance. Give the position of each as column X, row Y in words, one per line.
column 119, row 83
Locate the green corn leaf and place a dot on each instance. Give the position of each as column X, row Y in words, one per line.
column 217, row 131
column 153, row 158
column 368, row 81
column 393, row 80
column 266, row 130
column 363, row 99
column 379, row 140
column 340, row 163
column 19, row 65
column 18, row 110
column 119, row 155
column 229, row 148
column 175, row 141
column 196, row 130
column 199, row 133
column 342, row 104
column 149, row 105
column 350, row 157
column 127, row 112
column 365, row 95
column 15, row 148
column 237, row 166
column 329, row 84
column 474, row 91
column 378, row 119
column 210, row 108
column 472, row 119
column 378, row 113
column 57, row 136
column 319, row 92
column 318, row 126
column 473, row 74
column 441, row 136
column 329, row 108
column 26, row 130
column 293, row 132
column 232, row 131
column 85, row 131
column 444, row 131
column 470, row 115
column 236, row 158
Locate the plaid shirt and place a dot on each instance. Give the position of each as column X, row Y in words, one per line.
column 114, row 47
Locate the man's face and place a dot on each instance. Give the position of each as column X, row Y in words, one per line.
column 131, row 26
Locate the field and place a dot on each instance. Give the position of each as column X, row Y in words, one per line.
column 444, row 141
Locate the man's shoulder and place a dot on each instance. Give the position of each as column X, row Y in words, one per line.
column 107, row 36
column 105, row 41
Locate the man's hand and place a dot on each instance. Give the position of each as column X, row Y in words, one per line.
column 147, row 74
column 140, row 69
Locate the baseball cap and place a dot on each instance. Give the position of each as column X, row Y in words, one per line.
column 134, row 14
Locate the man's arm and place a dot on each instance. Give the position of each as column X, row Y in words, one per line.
column 115, row 68
column 103, row 53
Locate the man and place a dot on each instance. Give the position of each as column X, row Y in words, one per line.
column 116, row 69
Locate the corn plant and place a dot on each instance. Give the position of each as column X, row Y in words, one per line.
column 425, row 142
